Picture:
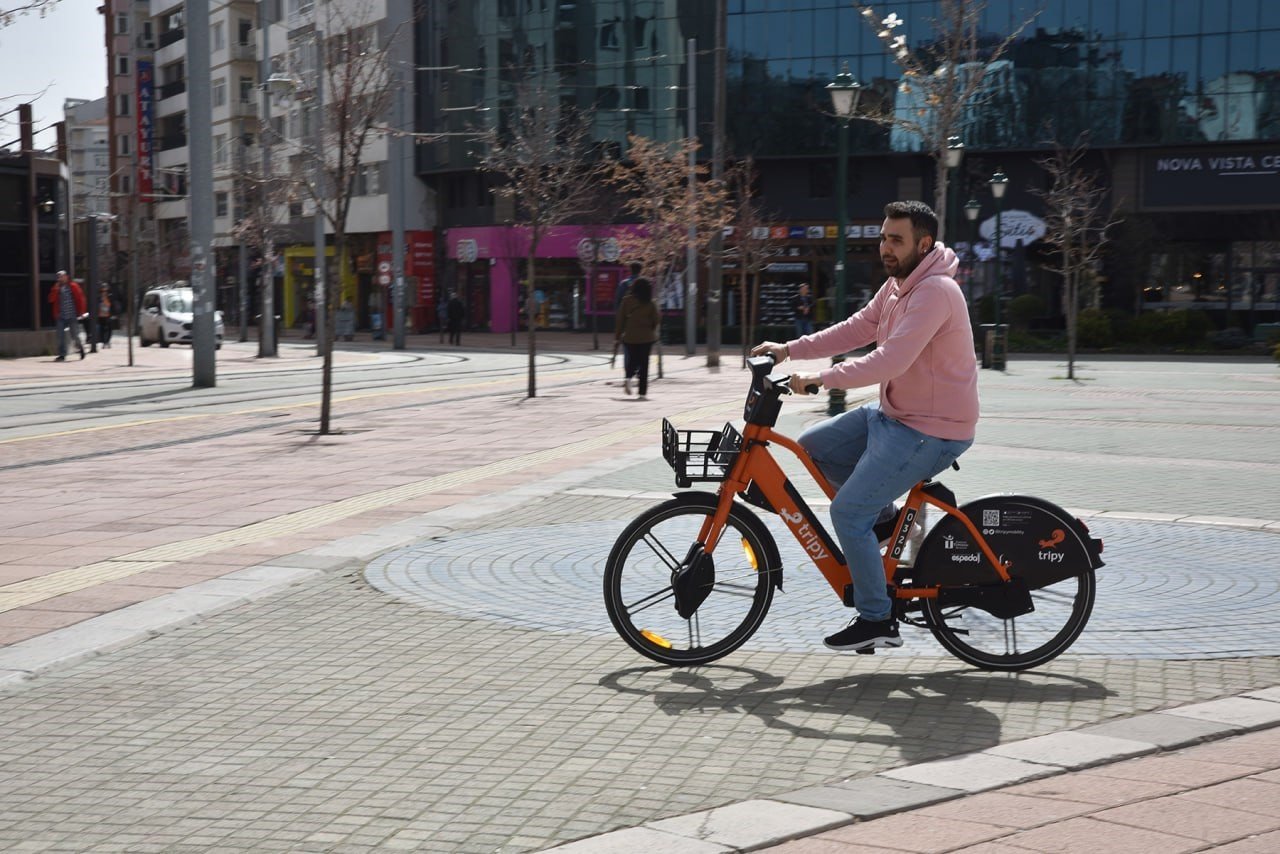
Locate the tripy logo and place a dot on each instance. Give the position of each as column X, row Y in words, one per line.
column 805, row 533
column 1048, row 548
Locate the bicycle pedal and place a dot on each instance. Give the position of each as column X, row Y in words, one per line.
column 871, row 650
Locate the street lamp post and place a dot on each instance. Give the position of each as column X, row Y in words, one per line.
column 954, row 156
column 845, row 92
column 999, row 183
column 972, row 208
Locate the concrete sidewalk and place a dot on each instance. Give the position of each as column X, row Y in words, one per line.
column 238, row 676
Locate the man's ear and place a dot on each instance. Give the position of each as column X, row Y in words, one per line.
column 930, row 240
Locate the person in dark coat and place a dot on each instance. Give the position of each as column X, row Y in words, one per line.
column 456, row 312
column 638, row 321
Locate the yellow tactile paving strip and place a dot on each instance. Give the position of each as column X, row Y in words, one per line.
column 34, row 590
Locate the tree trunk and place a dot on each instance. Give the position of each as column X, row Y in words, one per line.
column 742, row 292
column 1069, row 296
column 326, row 342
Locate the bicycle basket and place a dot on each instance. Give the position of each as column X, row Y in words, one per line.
column 700, row 455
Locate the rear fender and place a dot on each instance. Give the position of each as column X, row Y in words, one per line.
column 1042, row 543
column 772, row 562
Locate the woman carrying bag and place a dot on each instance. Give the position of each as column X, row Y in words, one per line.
column 637, row 329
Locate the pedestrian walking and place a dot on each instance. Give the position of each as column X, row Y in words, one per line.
column 68, row 303
column 621, row 293
column 456, row 312
column 924, row 363
column 802, row 310
column 107, row 311
column 638, row 321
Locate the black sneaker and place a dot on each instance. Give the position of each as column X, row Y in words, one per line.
column 863, row 634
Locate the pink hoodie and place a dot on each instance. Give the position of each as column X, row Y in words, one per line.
column 924, row 358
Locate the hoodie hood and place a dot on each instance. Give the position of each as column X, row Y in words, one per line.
column 942, row 261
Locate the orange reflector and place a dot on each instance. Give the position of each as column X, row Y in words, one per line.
column 655, row 639
column 751, row 555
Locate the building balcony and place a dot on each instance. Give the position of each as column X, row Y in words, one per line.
column 171, row 141
column 177, row 87
column 172, row 36
column 244, row 53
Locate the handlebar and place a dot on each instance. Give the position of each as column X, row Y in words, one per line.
column 764, row 400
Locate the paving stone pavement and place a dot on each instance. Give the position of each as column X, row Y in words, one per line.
column 396, row 708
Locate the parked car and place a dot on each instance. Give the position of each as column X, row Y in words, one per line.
column 165, row 316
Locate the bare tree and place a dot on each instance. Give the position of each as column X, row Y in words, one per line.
column 9, row 14
column 655, row 183
column 354, row 71
column 1076, row 227
column 752, row 246
column 943, row 81
column 549, row 170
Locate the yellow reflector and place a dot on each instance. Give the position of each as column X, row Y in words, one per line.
column 655, row 639
column 751, row 555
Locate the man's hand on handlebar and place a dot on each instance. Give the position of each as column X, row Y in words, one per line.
column 805, row 383
column 779, row 352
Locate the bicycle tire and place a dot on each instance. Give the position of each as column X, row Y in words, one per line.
column 983, row 628
column 732, row 611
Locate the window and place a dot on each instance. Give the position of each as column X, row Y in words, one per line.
column 246, row 90
column 369, row 182
column 122, row 66
column 122, row 25
column 126, row 183
column 219, row 92
column 220, row 204
column 122, row 144
column 244, row 28
column 220, row 157
column 122, row 104
column 217, row 36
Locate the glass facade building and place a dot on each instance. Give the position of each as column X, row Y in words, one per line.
column 1180, row 99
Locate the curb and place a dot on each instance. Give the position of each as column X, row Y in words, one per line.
column 759, row 823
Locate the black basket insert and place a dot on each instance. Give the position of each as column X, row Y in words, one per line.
column 700, row 455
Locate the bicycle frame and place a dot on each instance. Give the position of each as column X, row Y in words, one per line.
column 755, row 463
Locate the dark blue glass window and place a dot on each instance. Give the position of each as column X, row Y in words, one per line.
column 1102, row 17
column 1213, row 57
column 1185, row 59
column 1129, row 22
column 1270, row 15
column 1243, row 50
column 1158, row 18
column 1157, row 54
column 1186, row 17
column 1244, row 14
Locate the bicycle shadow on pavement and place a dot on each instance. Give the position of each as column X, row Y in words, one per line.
column 932, row 715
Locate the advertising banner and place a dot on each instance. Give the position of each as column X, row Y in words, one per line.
column 146, row 128
column 1196, row 179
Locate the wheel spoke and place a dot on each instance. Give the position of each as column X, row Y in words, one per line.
column 650, row 600
column 662, row 552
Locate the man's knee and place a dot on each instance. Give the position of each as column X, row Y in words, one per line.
column 853, row 513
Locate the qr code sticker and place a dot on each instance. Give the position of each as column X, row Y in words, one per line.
column 990, row 518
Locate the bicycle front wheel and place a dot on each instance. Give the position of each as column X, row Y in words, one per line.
column 640, row 591
column 991, row 643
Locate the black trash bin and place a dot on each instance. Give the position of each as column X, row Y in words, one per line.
column 994, row 340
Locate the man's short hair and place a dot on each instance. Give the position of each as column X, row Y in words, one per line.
column 923, row 219
column 635, row 268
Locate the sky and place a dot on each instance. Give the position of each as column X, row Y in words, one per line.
column 61, row 55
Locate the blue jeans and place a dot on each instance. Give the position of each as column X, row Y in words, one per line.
column 66, row 327
column 872, row 459
column 804, row 326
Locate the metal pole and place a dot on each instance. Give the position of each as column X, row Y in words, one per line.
column 266, row 206
column 715, row 286
column 836, row 396
column 200, row 119
column 318, row 158
column 396, row 156
column 999, row 265
column 242, row 252
column 134, row 225
column 92, row 290
column 691, row 250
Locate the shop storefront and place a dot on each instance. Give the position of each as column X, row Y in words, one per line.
column 300, row 284
column 486, row 266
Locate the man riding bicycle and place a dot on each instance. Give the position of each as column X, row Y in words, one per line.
column 925, row 418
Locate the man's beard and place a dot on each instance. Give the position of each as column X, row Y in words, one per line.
column 903, row 269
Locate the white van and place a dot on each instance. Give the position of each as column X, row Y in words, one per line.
column 165, row 316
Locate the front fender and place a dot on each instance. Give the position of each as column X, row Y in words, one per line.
column 739, row 512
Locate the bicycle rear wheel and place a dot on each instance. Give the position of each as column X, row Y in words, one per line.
column 639, row 583
column 983, row 640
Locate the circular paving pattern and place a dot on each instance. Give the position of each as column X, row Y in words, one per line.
column 1168, row 591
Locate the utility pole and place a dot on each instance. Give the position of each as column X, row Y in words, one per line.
column 322, row 279
column 395, row 153
column 716, row 285
column 200, row 118
column 691, row 263
column 266, row 271
column 242, row 255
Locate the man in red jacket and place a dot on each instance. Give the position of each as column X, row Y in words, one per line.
column 68, row 304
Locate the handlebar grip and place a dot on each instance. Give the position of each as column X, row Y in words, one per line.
column 812, row 388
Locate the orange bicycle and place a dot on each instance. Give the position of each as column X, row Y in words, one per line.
column 1003, row 583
